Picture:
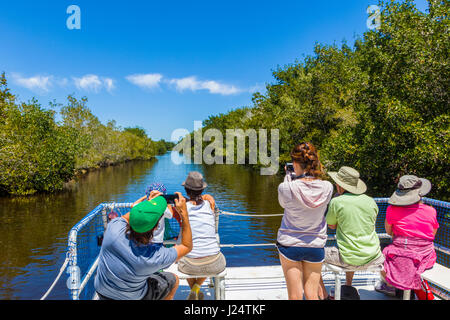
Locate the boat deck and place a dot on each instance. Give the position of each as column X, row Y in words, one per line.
column 268, row 283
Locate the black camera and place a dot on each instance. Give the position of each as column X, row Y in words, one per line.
column 290, row 167
column 170, row 198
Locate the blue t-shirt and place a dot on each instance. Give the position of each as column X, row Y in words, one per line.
column 124, row 267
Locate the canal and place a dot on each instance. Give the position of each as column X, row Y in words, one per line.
column 33, row 232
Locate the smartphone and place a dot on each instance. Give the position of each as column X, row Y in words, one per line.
column 170, row 198
column 289, row 167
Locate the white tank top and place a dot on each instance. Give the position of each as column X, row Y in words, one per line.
column 202, row 221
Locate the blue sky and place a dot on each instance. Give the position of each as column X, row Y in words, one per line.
column 161, row 65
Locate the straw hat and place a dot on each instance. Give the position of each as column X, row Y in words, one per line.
column 348, row 178
column 410, row 189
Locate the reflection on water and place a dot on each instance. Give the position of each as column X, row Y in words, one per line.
column 33, row 232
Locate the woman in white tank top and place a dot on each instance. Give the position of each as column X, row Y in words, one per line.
column 205, row 257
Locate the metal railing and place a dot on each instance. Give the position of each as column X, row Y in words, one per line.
column 84, row 242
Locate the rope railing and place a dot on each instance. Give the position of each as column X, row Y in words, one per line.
column 250, row 215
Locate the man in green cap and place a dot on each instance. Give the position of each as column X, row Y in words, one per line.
column 353, row 214
column 129, row 262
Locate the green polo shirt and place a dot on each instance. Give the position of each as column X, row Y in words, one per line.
column 355, row 216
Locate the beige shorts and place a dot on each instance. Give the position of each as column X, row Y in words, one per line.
column 202, row 266
column 333, row 257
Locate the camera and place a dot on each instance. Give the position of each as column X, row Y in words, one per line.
column 290, row 167
column 170, row 198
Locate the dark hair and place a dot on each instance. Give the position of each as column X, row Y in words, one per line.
column 195, row 195
column 141, row 238
column 306, row 155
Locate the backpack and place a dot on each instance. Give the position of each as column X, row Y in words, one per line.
column 349, row 293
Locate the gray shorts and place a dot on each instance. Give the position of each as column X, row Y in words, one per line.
column 333, row 257
column 203, row 266
column 159, row 285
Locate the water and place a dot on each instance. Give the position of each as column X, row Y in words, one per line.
column 33, row 232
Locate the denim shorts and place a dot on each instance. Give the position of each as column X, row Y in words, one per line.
column 312, row 255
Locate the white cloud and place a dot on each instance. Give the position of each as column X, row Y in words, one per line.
column 109, row 84
column 150, row 80
column 94, row 83
column 90, row 82
column 214, row 87
column 36, row 83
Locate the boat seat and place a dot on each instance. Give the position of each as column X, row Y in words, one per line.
column 338, row 270
column 438, row 275
column 217, row 279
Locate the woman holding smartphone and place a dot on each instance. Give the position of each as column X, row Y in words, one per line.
column 303, row 232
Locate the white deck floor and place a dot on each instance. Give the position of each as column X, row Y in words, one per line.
column 268, row 283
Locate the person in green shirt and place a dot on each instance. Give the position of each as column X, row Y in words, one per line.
column 353, row 214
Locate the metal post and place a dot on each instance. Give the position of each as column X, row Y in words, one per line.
column 216, row 288
column 406, row 294
column 337, row 286
column 219, row 288
column 222, row 288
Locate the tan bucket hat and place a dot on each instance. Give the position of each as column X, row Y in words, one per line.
column 410, row 189
column 348, row 178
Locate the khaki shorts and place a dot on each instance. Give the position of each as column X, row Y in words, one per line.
column 202, row 266
column 333, row 257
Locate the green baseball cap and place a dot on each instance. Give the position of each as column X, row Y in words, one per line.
column 145, row 215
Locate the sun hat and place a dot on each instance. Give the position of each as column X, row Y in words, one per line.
column 156, row 186
column 145, row 215
column 194, row 181
column 348, row 178
column 410, row 189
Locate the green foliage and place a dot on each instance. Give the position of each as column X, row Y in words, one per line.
column 381, row 107
column 37, row 154
column 137, row 131
column 402, row 111
column 163, row 146
column 34, row 151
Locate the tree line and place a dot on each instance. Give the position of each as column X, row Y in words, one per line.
column 380, row 106
column 39, row 153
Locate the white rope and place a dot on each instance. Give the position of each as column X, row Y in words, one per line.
column 57, row 278
column 247, row 245
column 250, row 215
column 88, row 275
column 330, row 237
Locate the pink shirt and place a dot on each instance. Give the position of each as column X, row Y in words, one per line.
column 416, row 220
